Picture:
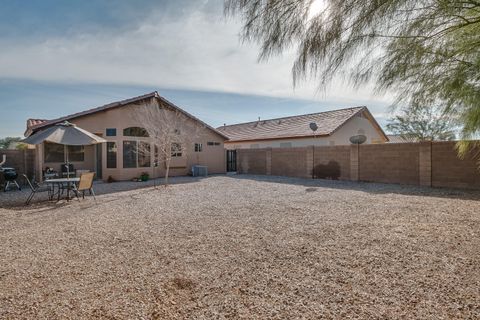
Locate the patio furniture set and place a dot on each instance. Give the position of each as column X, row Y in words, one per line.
column 57, row 187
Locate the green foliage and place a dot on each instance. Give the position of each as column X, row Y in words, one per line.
column 5, row 142
column 423, row 124
column 427, row 52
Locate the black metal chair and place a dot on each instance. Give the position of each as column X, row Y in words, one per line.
column 35, row 187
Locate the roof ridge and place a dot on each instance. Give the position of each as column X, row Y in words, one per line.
column 111, row 104
column 293, row 116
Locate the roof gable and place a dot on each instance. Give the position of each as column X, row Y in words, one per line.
column 37, row 124
column 295, row 126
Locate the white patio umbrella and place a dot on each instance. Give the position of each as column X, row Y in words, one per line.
column 65, row 133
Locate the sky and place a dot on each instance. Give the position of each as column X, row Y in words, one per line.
column 59, row 57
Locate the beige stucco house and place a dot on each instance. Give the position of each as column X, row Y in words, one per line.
column 118, row 158
column 334, row 128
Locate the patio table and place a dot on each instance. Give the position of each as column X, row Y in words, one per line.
column 60, row 183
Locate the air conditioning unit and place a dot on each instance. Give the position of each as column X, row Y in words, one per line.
column 199, row 171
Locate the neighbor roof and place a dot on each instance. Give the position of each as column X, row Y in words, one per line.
column 295, row 126
column 37, row 124
column 396, row 138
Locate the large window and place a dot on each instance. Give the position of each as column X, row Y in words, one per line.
column 136, row 154
column 135, row 132
column 76, row 153
column 143, row 154
column 111, row 132
column 129, row 154
column 56, row 153
column 111, row 155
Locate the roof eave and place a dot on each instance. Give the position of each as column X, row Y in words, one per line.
column 280, row 138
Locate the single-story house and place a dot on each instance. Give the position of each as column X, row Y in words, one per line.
column 334, row 128
column 118, row 123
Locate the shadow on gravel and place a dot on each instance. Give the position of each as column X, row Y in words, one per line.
column 312, row 186
column 15, row 199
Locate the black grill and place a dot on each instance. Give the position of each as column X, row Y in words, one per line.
column 10, row 176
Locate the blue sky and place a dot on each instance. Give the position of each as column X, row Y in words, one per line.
column 60, row 57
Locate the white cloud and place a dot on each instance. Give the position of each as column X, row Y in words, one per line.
column 198, row 51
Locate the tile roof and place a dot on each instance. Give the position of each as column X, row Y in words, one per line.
column 290, row 127
column 37, row 124
column 34, row 122
column 396, row 138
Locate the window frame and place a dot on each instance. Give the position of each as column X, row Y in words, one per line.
column 140, row 160
column 111, row 132
column 71, row 153
column 49, row 153
column 130, row 132
column 198, row 147
column 176, row 153
column 112, row 153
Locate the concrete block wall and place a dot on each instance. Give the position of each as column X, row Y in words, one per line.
column 333, row 162
column 427, row 163
column 22, row 160
column 450, row 171
column 290, row 162
column 389, row 163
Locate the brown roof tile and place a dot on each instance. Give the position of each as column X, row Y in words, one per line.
column 395, row 138
column 34, row 122
column 290, row 127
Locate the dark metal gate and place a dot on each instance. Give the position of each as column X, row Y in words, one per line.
column 231, row 160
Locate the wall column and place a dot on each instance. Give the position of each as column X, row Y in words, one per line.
column 268, row 161
column 310, row 162
column 425, row 164
column 354, row 162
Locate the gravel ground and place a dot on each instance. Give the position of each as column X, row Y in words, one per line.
column 244, row 247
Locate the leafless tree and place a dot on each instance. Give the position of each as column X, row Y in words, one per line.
column 171, row 131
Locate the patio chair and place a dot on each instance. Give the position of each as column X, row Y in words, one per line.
column 85, row 183
column 35, row 187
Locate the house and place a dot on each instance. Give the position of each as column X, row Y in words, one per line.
column 334, row 128
column 118, row 158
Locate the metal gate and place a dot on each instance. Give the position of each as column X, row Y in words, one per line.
column 231, row 160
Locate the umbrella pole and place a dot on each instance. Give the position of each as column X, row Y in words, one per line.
column 68, row 173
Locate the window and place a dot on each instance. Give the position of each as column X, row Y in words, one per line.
column 54, row 152
column 211, row 143
column 285, row 144
column 176, row 150
column 136, row 154
column 156, row 158
column 135, row 132
column 111, row 132
column 143, row 154
column 198, row 147
column 76, row 153
column 111, row 155
column 129, row 154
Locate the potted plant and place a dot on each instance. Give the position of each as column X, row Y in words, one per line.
column 144, row 176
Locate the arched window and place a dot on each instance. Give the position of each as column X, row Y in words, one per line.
column 135, row 132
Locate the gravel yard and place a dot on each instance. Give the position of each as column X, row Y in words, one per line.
column 244, row 247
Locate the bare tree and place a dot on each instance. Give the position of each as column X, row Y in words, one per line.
column 171, row 131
